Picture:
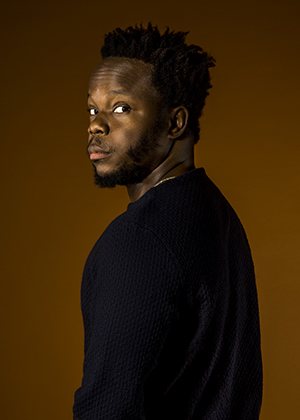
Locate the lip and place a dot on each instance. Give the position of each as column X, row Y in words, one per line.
column 96, row 153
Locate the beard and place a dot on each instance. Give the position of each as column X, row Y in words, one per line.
column 134, row 172
column 125, row 175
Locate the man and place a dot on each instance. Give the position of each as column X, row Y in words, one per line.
column 168, row 293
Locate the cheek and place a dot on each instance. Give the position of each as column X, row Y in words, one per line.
column 128, row 132
column 129, row 135
column 123, row 140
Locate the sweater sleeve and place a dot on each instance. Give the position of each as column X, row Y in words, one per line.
column 129, row 297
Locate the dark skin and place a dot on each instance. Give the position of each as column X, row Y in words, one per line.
column 124, row 107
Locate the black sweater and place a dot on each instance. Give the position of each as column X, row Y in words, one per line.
column 170, row 311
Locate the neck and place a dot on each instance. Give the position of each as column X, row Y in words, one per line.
column 178, row 162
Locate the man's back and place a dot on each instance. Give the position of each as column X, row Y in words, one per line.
column 170, row 311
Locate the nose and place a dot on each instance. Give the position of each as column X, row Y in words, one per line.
column 98, row 126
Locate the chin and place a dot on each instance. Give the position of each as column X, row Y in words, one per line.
column 126, row 175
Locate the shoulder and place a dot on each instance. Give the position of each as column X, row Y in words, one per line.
column 129, row 248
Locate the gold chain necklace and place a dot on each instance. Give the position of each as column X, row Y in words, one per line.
column 163, row 180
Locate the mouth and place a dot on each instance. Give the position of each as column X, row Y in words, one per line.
column 96, row 153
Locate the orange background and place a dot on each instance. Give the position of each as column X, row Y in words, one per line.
column 52, row 214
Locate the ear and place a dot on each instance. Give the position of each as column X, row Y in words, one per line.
column 178, row 122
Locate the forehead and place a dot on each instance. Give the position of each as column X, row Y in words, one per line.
column 122, row 73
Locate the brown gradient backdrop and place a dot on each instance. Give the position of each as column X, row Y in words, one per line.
column 52, row 214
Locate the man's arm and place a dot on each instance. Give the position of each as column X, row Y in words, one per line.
column 134, row 299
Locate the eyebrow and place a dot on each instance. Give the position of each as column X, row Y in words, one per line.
column 115, row 92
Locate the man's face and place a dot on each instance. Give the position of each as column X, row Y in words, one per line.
column 128, row 127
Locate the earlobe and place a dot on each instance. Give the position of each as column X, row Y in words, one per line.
column 178, row 122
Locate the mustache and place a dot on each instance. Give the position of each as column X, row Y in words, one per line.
column 96, row 140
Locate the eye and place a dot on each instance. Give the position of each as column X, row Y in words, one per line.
column 121, row 109
column 92, row 111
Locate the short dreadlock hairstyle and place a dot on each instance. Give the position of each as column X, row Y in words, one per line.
column 180, row 71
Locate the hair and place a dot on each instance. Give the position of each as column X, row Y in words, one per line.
column 180, row 71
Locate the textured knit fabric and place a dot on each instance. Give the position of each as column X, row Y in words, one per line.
column 170, row 311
